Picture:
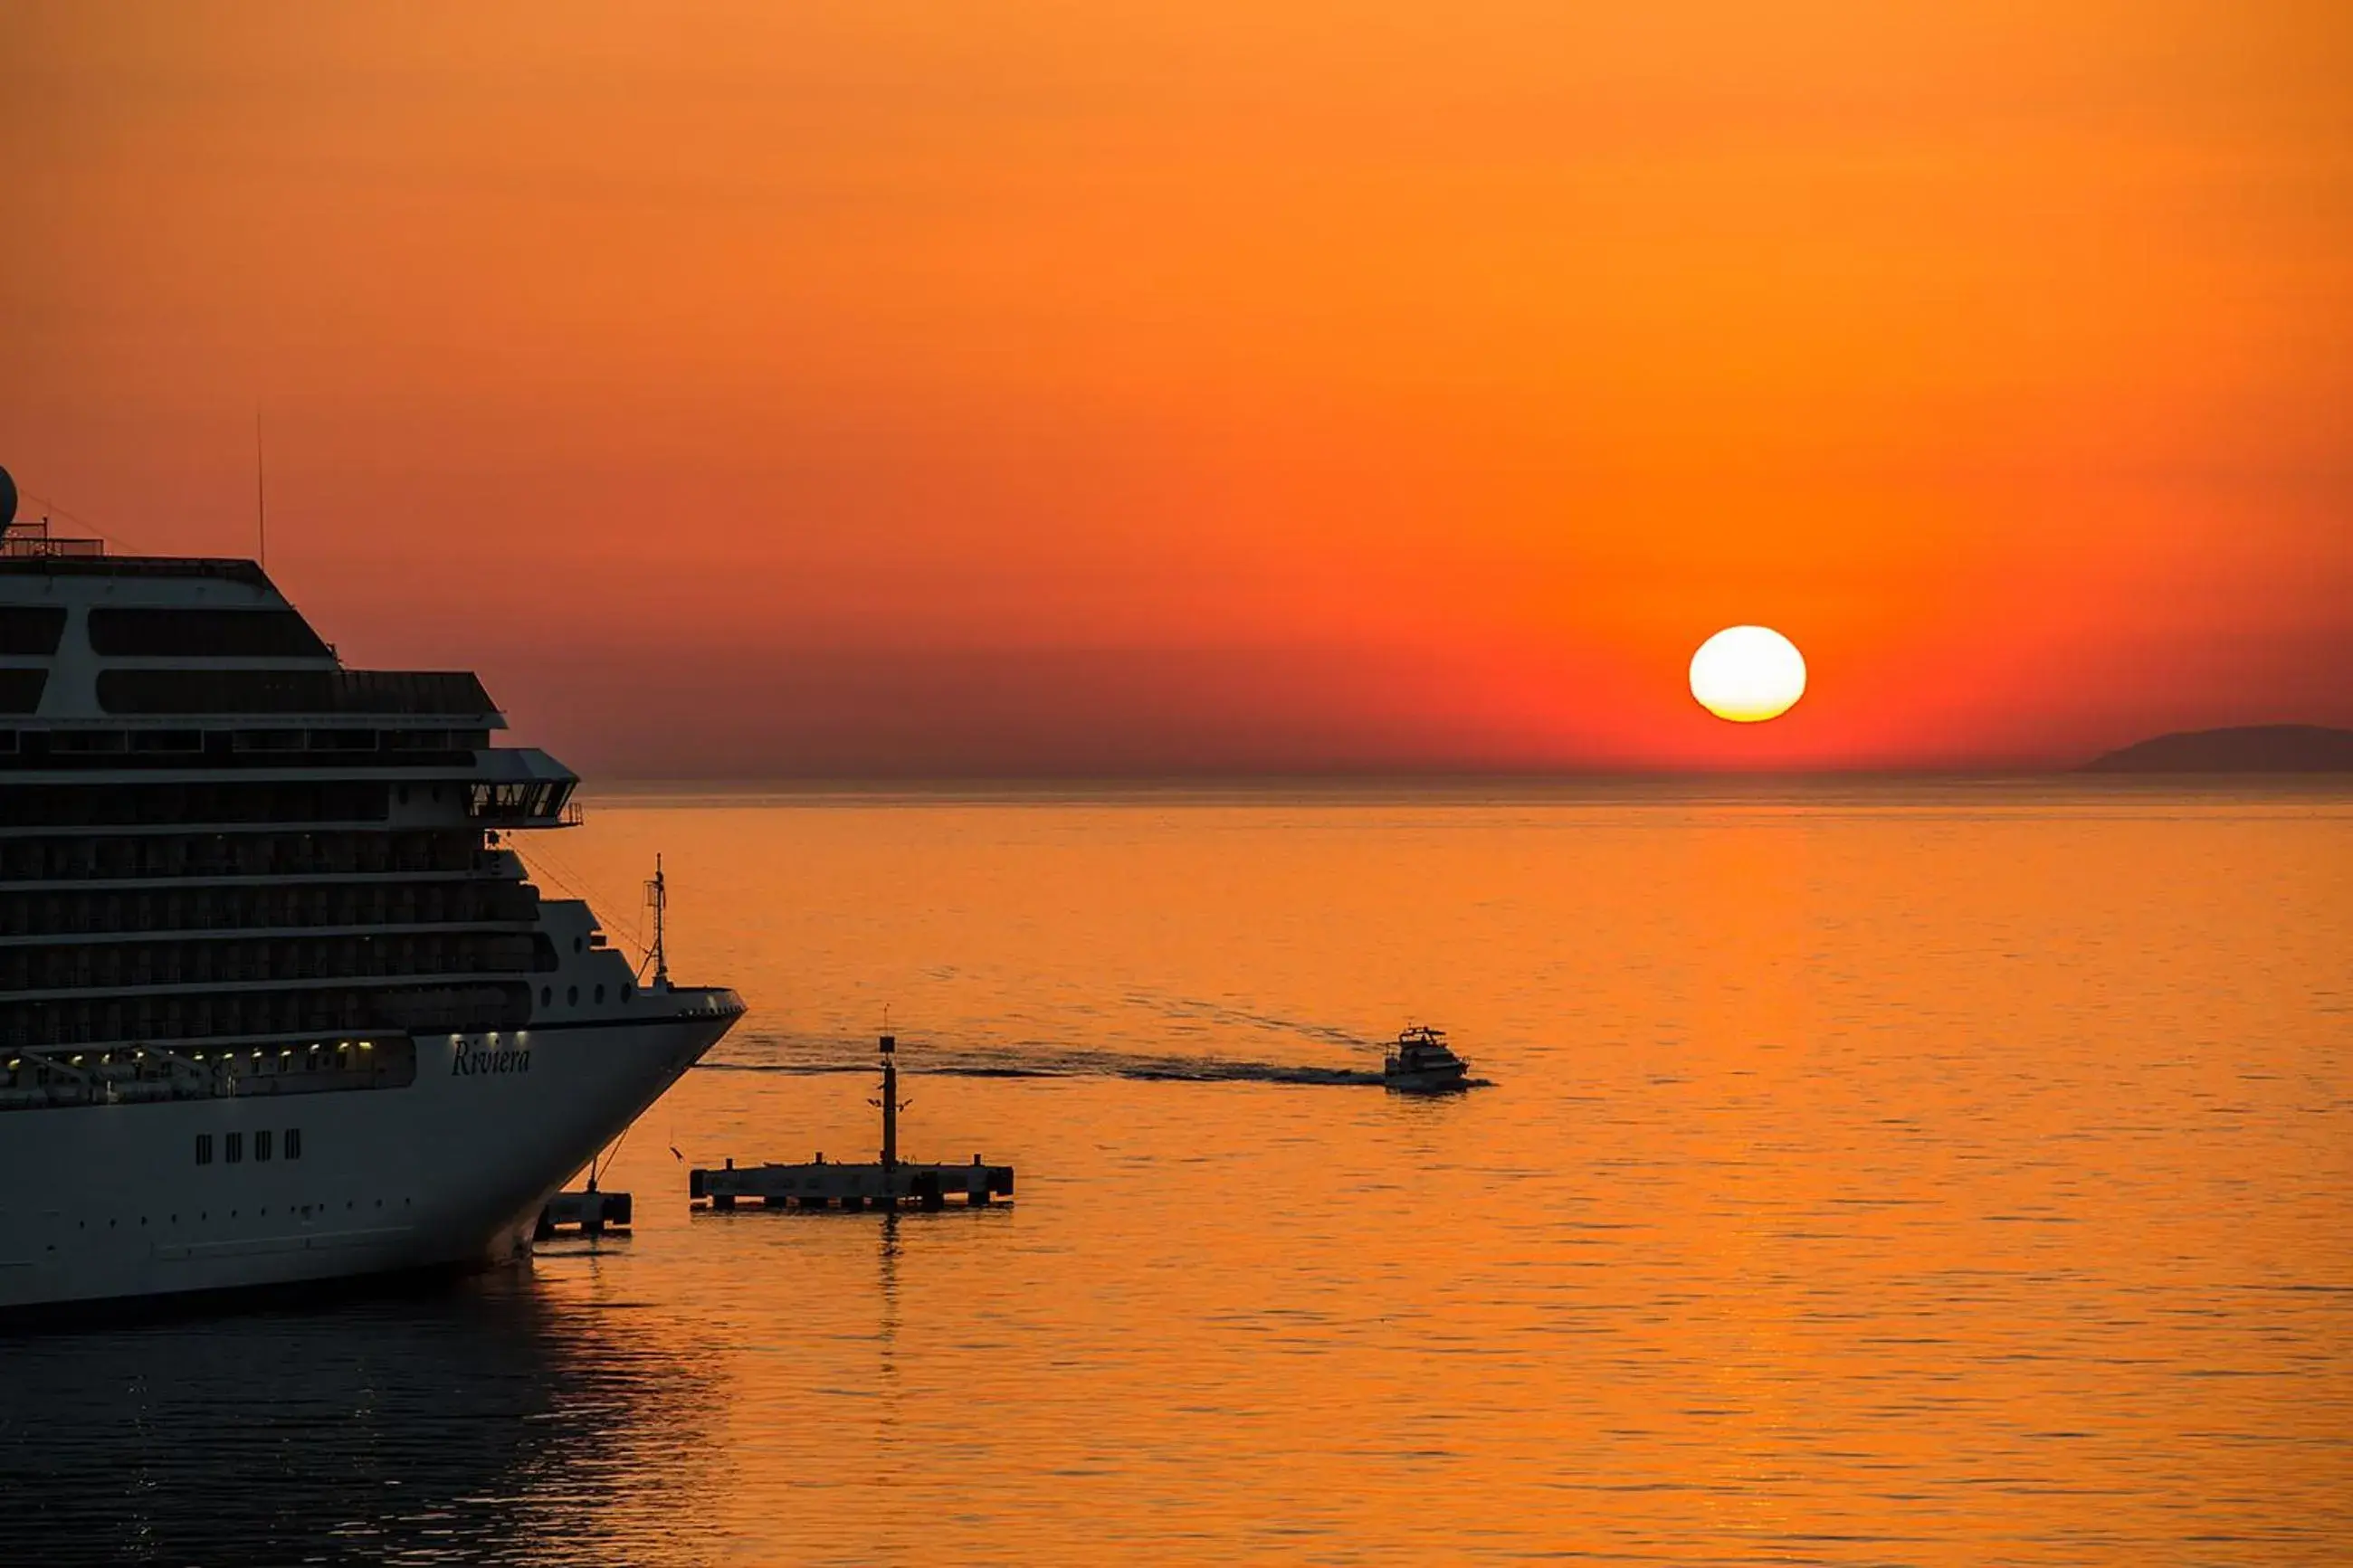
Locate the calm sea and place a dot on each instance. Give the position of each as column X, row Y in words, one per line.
column 1954, row 1173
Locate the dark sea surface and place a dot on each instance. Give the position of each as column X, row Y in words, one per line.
column 1953, row 1173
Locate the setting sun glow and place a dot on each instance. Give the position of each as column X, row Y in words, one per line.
column 1747, row 673
column 1005, row 412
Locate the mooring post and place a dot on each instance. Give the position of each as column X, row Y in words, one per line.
column 890, row 1104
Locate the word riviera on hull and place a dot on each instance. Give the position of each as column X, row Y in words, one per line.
column 466, row 1064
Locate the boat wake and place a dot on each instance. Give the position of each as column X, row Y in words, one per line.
column 1066, row 1063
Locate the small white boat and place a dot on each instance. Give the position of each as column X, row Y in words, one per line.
column 1421, row 1063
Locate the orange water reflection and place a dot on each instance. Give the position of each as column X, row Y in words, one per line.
column 1951, row 1175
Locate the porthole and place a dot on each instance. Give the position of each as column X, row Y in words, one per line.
column 628, row 991
column 571, row 995
column 575, row 944
column 546, row 994
column 601, row 994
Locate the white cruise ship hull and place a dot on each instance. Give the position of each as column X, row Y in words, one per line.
column 104, row 1203
column 278, row 1003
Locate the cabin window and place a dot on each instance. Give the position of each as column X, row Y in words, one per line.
column 234, row 1151
column 203, row 1147
column 601, row 994
column 30, row 631
column 294, row 1142
column 261, row 1145
column 572, row 995
column 20, row 689
column 89, row 741
column 161, row 633
column 546, row 994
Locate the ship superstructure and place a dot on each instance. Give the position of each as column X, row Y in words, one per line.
column 277, row 1003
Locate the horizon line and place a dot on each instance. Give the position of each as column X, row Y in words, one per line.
column 1345, row 780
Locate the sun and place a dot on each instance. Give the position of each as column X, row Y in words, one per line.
column 1748, row 674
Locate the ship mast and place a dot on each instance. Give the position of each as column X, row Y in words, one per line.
column 658, row 899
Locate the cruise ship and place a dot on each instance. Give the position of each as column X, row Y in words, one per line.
column 278, row 1003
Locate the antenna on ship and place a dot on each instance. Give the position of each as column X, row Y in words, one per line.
column 658, row 899
column 260, row 495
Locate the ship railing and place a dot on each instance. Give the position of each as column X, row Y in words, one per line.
column 31, row 539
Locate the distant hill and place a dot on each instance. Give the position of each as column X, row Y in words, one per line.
column 2250, row 749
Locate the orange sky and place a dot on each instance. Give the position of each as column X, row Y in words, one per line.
column 854, row 388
